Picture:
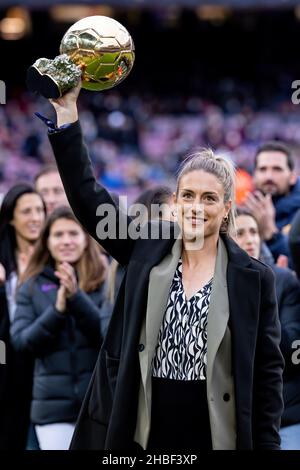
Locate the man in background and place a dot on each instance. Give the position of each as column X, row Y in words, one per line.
column 49, row 185
column 276, row 197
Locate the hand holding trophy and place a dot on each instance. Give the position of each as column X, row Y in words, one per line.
column 96, row 49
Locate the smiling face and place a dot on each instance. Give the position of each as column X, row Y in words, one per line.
column 247, row 235
column 200, row 204
column 67, row 241
column 28, row 217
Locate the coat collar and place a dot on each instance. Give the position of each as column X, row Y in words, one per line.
column 218, row 313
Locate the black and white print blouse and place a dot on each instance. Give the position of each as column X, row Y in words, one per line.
column 181, row 351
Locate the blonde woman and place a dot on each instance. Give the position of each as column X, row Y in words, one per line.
column 191, row 359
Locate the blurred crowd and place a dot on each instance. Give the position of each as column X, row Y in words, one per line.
column 57, row 286
column 139, row 140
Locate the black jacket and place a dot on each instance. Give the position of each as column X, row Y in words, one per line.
column 65, row 346
column 288, row 298
column 286, row 207
column 15, row 387
column 294, row 242
column 108, row 416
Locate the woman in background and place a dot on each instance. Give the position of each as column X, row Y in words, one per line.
column 22, row 215
column 58, row 321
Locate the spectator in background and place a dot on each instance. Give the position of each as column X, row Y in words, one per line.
column 49, row 185
column 288, row 298
column 158, row 203
column 58, row 321
column 294, row 242
column 277, row 195
column 22, row 216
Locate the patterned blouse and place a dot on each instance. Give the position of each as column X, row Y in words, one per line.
column 181, row 352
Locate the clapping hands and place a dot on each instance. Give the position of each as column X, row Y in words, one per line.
column 68, row 285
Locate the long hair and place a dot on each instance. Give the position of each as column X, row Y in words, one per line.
column 224, row 171
column 90, row 268
column 8, row 242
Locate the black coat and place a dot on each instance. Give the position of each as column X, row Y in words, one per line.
column 15, row 387
column 288, row 297
column 65, row 346
column 108, row 416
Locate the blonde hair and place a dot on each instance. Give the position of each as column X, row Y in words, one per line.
column 219, row 166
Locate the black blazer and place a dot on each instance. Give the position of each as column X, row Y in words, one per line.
column 108, row 417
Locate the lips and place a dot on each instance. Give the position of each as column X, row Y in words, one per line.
column 195, row 221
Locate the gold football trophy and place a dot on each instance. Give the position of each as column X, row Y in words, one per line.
column 97, row 49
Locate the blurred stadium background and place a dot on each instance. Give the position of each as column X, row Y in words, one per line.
column 213, row 73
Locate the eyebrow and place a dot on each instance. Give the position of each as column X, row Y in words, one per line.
column 193, row 191
column 274, row 167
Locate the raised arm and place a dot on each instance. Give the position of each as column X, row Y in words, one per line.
column 89, row 200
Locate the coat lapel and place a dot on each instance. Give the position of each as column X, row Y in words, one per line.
column 160, row 281
column 218, row 313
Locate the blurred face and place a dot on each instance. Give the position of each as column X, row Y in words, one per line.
column 67, row 241
column 28, row 217
column 200, row 204
column 247, row 235
column 52, row 191
column 272, row 174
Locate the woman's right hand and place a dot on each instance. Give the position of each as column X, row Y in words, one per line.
column 2, row 275
column 66, row 106
column 61, row 299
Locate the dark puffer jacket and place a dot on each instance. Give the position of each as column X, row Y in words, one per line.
column 15, row 387
column 288, row 298
column 65, row 345
column 294, row 241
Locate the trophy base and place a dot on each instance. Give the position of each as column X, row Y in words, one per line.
column 42, row 84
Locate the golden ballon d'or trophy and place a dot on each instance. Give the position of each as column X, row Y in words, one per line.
column 96, row 49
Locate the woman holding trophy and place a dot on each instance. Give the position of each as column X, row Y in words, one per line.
column 191, row 360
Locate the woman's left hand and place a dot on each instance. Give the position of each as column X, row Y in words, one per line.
column 67, row 276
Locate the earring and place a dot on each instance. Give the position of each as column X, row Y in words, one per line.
column 225, row 219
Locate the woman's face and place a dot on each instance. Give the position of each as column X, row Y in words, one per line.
column 247, row 236
column 67, row 241
column 28, row 217
column 200, row 204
